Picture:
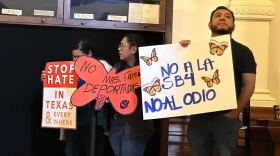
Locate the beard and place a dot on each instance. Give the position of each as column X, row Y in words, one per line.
column 221, row 31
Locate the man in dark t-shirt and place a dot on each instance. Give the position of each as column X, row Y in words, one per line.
column 220, row 130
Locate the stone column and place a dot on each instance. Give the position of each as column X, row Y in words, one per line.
column 253, row 18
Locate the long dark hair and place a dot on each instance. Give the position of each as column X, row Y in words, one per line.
column 86, row 46
column 135, row 40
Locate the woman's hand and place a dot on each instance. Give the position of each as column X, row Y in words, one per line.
column 184, row 43
column 43, row 75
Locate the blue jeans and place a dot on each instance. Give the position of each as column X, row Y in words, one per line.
column 125, row 145
column 206, row 132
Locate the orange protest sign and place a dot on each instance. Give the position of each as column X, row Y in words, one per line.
column 101, row 85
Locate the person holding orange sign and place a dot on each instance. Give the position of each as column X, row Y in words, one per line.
column 82, row 141
column 129, row 134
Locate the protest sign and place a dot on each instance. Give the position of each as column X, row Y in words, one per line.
column 118, row 88
column 60, row 83
column 179, row 81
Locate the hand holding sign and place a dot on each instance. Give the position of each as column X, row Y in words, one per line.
column 100, row 85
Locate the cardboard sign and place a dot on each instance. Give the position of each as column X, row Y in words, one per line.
column 59, row 85
column 100, row 85
column 179, row 81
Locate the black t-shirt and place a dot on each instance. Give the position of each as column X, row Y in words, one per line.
column 134, row 123
column 243, row 62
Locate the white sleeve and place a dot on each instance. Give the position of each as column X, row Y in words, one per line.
column 106, row 65
column 108, row 68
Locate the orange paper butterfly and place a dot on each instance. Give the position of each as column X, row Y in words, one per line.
column 217, row 49
column 154, row 88
column 150, row 60
column 215, row 79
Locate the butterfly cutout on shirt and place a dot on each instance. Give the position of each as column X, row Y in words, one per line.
column 149, row 60
column 99, row 85
column 217, row 48
column 154, row 88
column 214, row 80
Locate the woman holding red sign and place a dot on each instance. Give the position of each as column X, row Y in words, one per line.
column 90, row 124
column 129, row 134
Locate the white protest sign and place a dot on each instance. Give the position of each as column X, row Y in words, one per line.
column 59, row 85
column 179, row 81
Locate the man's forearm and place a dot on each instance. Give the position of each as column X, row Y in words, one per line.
column 246, row 91
column 244, row 97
